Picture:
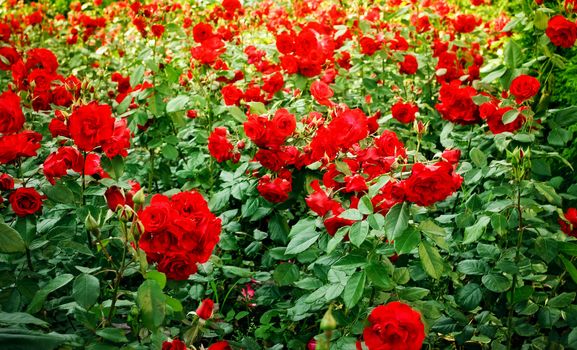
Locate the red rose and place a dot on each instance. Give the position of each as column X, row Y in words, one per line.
column 409, row 65
column 219, row 146
column 221, row 345
column 273, row 83
column 173, row 345
column 177, row 266
column 369, row 45
column 491, row 112
column 319, row 201
column 452, row 155
column 394, row 326
column 429, row 184
column 6, row 182
column 91, row 125
column 202, row 32
column 231, row 95
column 157, row 30
column 282, row 125
column 157, row 215
column 275, row 191
column 569, row 224
column 289, row 63
column 11, row 116
column 456, row 103
column 205, row 308
column 321, row 92
column 57, row 164
column 307, row 44
column 561, row 32
column 41, row 58
column 524, row 87
column 25, row 201
column 24, row 144
column 114, row 197
column 465, row 23
column 11, row 56
column 404, row 112
column 119, row 142
column 285, row 43
column 355, row 183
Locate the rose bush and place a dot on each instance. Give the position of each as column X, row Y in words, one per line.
column 271, row 174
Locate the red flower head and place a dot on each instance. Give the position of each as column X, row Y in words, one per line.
column 404, row 112
column 205, row 309
column 561, row 32
column 322, row 93
column 24, row 144
column 524, row 87
column 202, row 32
column 409, row 65
column 6, row 182
column 219, row 146
column 231, row 95
column 429, row 184
column 456, row 103
column 91, row 126
column 569, row 225
column 114, row 197
column 275, row 191
column 25, row 201
column 394, row 326
column 176, row 344
column 177, row 266
column 221, row 345
column 11, row 116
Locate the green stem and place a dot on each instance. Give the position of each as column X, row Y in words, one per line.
column 118, row 278
column 517, row 258
column 29, row 259
column 151, row 171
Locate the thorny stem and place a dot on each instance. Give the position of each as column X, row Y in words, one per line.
column 119, row 276
column 517, row 258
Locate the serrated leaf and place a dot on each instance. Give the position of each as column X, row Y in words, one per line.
column 496, row 283
column 358, row 232
column 86, row 290
column 286, row 274
column 397, row 220
column 407, row 241
column 303, row 234
column 474, row 232
column 41, row 295
column 354, row 289
column 431, row 259
column 10, row 240
column 379, row 276
column 365, row 206
column 509, row 116
column 177, row 104
column 351, row 214
column 571, row 269
column 470, row 296
column 151, row 303
column 115, row 335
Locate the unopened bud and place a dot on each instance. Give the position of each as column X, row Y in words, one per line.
column 328, row 322
column 125, row 213
column 138, row 197
column 91, row 224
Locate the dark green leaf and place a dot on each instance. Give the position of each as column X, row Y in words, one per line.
column 115, row 335
column 431, row 259
column 358, row 232
column 397, row 220
column 10, row 240
column 151, row 303
column 407, row 241
column 470, row 296
column 40, row 296
column 354, row 289
column 379, row 276
column 86, row 290
column 496, row 283
column 286, row 274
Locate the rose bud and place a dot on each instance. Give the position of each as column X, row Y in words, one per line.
column 6, row 182
column 114, row 198
column 328, row 322
column 452, row 155
column 204, row 311
column 91, row 224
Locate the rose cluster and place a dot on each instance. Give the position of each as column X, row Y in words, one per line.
column 179, row 232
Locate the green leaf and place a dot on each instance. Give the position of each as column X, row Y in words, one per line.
column 10, row 240
column 379, row 276
column 278, row 228
column 478, row 157
column 115, row 335
column 351, row 214
column 257, row 108
column 237, row 114
column 286, row 274
column 27, row 339
column 354, row 289
column 489, row 78
column 496, row 283
column 407, row 241
column 303, row 234
column 157, row 276
column 473, row 267
column 152, row 304
column 470, row 296
column 513, row 55
column 41, row 295
column 568, row 248
column 572, row 339
column 337, row 238
column 58, row 193
column 177, row 104
column 358, row 232
column 431, row 259
column 397, row 220
column 17, row 318
column 549, row 193
column 571, row 269
column 412, row 293
column 86, row 290
column 561, row 300
column 137, row 75
column 474, row 232
column 365, row 205
column 169, row 152
column 509, row 116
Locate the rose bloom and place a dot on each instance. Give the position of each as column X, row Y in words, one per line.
column 25, row 201
column 91, row 125
column 275, row 191
column 219, row 146
column 177, row 266
column 409, row 65
column 176, row 344
column 394, row 326
column 569, row 225
column 221, row 345
column 404, row 112
column 205, row 309
column 456, row 103
column 11, row 116
column 561, row 32
column 6, row 182
column 524, row 87
column 429, row 184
